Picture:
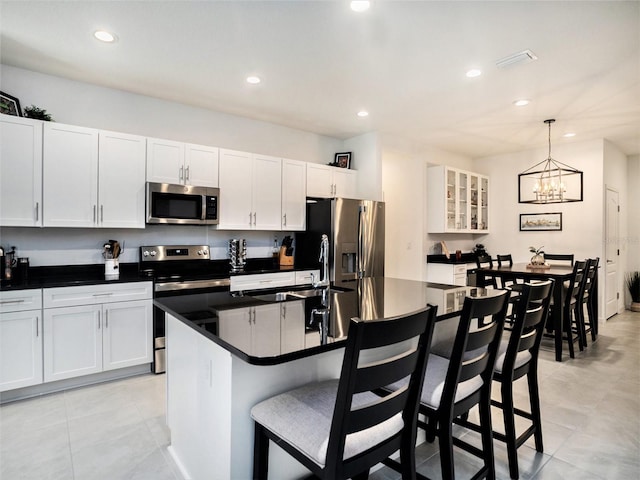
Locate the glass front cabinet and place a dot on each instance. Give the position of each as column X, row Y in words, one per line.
column 457, row 201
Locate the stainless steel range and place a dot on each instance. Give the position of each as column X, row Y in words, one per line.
column 179, row 270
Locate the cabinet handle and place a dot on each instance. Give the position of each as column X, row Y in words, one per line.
column 254, row 219
column 284, row 217
column 98, row 320
column 181, row 174
column 37, row 211
column 106, row 319
column 37, row 326
column 102, row 294
column 101, row 213
column 7, row 302
column 94, row 214
column 250, row 217
column 186, row 173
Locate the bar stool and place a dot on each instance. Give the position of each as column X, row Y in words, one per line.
column 454, row 385
column 518, row 357
column 590, row 325
column 560, row 258
column 338, row 429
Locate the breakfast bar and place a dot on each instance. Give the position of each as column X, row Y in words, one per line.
column 250, row 347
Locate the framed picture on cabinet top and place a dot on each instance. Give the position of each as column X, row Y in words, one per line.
column 10, row 105
column 343, row 160
column 536, row 222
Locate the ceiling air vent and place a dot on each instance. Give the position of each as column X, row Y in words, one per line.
column 519, row 58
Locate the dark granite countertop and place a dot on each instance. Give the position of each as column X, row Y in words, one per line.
column 464, row 258
column 267, row 339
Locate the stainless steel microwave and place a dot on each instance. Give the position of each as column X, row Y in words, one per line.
column 182, row 204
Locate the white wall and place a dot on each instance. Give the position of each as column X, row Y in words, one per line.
column 366, row 159
column 88, row 105
column 404, row 170
column 632, row 240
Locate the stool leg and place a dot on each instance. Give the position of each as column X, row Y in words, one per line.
column 260, row 453
column 510, row 427
column 534, row 400
column 445, row 438
column 484, row 408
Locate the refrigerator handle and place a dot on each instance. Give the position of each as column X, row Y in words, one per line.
column 361, row 211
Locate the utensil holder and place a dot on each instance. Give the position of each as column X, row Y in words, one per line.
column 111, row 269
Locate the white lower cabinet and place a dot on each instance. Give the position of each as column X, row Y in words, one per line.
column 449, row 274
column 95, row 332
column 20, row 349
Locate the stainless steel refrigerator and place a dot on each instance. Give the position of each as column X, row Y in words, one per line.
column 356, row 237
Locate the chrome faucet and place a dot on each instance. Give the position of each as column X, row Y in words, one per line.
column 324, row 258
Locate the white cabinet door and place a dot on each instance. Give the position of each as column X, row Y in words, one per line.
column 20, row 349
column 121, row 185
column 72, row 341
column 70, row 166
column 235, row 209
column 20, row 172
column 319, row 181
column 267, row 192
column 127, row 334
column 201, row 165
column 344, row 182
column 165, row 161
column 294, row 195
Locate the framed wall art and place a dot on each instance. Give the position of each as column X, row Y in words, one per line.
column 10, row 105
column 536, row 222
column 343, row 160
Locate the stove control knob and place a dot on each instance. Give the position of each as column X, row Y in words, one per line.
column 200, row 252
column 153, row 253
column 145, row 253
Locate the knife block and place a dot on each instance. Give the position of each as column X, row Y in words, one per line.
column 284, row 259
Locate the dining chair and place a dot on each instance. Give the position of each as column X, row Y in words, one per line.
column 590, row 322
column 339, row 428
column 485, row 261
column 517, row 358
column 559, row 258
column 454, row 385
column 572, row 329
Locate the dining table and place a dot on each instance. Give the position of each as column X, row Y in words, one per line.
column 560, row 273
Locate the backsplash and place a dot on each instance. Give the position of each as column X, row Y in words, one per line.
column 76, row 246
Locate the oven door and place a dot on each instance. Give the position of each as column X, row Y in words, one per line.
column 181, row 204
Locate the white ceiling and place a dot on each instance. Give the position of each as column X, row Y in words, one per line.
column 403, row 61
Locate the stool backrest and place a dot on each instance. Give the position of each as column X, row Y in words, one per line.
column 505, row 259
column 592, row 271
column 559, row 258
column 475, row 347
column 576, row 286
column 400, row 347
column 528, row 327
column 484, row 261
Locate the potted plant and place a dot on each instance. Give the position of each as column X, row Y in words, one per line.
column 633, row 284
column 538, row 255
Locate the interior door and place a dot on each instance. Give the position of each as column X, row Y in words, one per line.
column 612, row 253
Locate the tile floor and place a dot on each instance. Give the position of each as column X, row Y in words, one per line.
column 116, row 431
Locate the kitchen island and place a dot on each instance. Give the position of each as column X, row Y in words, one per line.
column 227, row 352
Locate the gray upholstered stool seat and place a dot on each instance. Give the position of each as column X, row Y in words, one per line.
column 303, row 417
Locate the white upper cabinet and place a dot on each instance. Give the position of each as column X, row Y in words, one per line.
column 181, row 163
column 121, row 180
column 70, row 188
column 92, row 178
column 20, row 172
column 457, row 201
column 329, row 182
column 250, row 191
column 294, row 195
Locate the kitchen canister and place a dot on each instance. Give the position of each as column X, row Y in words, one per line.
column 111, row 269
column 237, row 254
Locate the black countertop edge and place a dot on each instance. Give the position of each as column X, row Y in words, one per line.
column 250, row 359
column 465, row 258
column 93, row 274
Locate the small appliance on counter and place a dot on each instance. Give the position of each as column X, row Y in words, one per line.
column 286, row 252
column 8, row 265
column 111, row 253
column 237, row 254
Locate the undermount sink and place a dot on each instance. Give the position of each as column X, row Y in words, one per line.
column 293, row 294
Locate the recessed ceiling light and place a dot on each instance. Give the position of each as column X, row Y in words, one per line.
column 253, row 80
column 363, row 113
column 360, row 5
column 474, row 72
column 569, row 135
column 522, row 102
column 104, row 36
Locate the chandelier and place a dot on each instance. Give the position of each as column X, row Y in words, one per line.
column 550, row 181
